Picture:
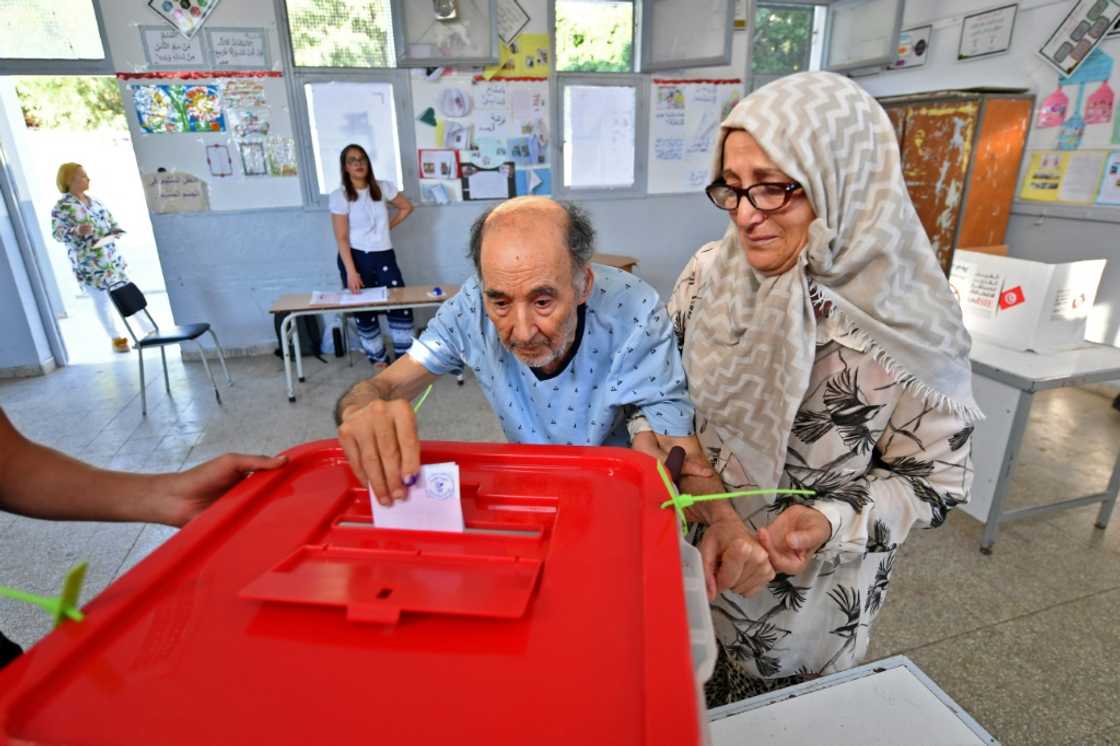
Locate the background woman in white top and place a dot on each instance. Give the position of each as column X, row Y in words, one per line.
column 360, row 217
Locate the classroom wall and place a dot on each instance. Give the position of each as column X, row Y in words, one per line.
column 1051, row 238
column 227, row 268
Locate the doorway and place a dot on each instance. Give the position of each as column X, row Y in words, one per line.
column 80, row 119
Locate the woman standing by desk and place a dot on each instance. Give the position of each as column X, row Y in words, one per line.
column 360, row 217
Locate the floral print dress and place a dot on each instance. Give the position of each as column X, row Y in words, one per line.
column 882, row 462
column 98, row 267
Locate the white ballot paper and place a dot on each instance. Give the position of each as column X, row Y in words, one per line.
column 433, row 503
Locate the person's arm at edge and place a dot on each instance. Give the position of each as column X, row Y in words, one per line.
column 341, row 226
column 404, row 209
column 39, row 482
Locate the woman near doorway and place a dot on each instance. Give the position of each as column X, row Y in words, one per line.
column 361, row 222
column 80, row 223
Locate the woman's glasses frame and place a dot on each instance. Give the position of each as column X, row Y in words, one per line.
column 714, row 189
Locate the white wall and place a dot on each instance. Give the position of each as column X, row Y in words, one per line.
column 1052, row 239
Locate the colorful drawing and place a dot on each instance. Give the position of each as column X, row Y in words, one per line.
column 187, row 16
column 1053, row 110
column 248, row 122
column 243, row 93
column 1097, row 68
column 1099, row 108
column 178, row 108
column 525, row 57
column 670, row 98
column 253, row 161
column 281, row 155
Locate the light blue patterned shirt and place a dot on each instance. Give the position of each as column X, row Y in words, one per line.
column 626, row 356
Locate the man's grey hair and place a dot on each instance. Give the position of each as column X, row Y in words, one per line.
column 581, row 237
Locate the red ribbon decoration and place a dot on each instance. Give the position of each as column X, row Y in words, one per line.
column 200, row 75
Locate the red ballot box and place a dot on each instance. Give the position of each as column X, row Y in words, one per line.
column 282, row 615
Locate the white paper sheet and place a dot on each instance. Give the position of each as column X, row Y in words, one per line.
column 346, row 298
column 433, row 504
column 488, row 185
column 599, row 135
column 1083, row 177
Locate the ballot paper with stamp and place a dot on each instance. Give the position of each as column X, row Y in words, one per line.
column 433, row 503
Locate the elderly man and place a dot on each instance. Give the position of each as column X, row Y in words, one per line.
column 560, row 349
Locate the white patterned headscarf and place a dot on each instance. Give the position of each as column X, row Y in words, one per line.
column 750, row 350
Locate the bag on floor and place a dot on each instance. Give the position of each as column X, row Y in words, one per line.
column 310, row 336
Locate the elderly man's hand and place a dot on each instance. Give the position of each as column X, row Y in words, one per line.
column 733, row 559
column 794, row 537
column 382, row 446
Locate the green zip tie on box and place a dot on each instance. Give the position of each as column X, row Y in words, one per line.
column 421, row 400
column 681, row 501
column 61, row 607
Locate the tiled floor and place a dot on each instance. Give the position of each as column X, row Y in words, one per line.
column 1027, row 640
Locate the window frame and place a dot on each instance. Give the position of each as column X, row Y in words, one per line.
column 20, row 66
column 295, row 80
column 875, row 64
column 641, row 84
column 288, row 52
column 645, row 24
column 757, row 80
column 400, row 40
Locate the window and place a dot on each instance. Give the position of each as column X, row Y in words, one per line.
column 361, row 113
column 341, row 33
column 786, row 39
column 594, row 36
column 446, row 32
column 686, row 33
column 49, row 30
column 599, row 135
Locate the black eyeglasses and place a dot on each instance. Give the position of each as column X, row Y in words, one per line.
column 764, row 197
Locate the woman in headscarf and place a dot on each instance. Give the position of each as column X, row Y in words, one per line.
column 825, row 351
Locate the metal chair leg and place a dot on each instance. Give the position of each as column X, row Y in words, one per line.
column 206, row 365
column 166, row 380
column 143, row 391
column 221, row 357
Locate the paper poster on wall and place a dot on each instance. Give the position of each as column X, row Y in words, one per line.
column 187, row 16
column 686, row 117
column 527, row 56
column 438, row 163
column 913, row 46
column 1082, row 29
column 533, row 181
column 248, row 122
column 1109, row 192
column 174, row 191
column 512, row 19
column 987, row 33
column 488, row 183
column 217, row 158
column 1044, row 176
column 1082, row 177
column 165, row 48
column 253, row 160
column 238, row 48
column 281, row 155
column 437, row 192
column 454, row 102
column 178, row 108
column 243, row 93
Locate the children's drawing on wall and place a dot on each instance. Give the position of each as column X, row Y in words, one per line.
column 1097, row 69
column 454, row 102
column 1110, row 182
column 670, row 98
column 187, row 16
column 280, row 153
column 243, row 93
column 1052, row 112
column 253, row 162
column 217, row 158
column 178, row 108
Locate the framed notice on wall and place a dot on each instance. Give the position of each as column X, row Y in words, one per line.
column 913, row 47
column 1083, row 28
column 239, row 48
column 987, row 33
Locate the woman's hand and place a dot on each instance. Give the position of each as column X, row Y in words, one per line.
column 354, row 282
column 794, row 537
column 85, row 229
column 733, row 559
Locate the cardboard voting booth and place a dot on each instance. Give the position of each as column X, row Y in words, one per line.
column 1025, row 305
column 285, row 615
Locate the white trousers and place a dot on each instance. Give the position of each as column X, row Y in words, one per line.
column 106, row 311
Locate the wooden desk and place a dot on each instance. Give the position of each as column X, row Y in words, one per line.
column 1004, row 382
column 627, row 263
column 298, row 304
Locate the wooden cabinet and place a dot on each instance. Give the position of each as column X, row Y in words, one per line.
column 961, row 152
